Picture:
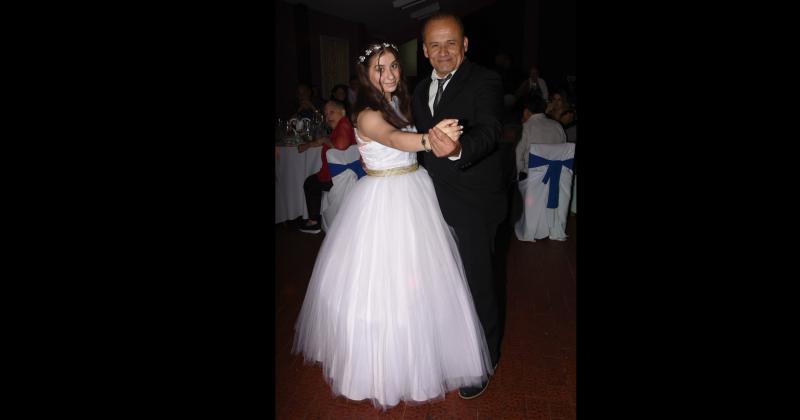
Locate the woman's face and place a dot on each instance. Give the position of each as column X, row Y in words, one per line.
column 384, row 73
column 567, row 118
column 340, row 94
column 558, row 100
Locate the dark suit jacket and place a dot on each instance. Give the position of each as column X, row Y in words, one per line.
column 471, row 189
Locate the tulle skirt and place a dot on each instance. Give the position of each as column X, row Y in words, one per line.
column 388, row 311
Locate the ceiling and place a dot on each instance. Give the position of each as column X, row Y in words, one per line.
column 383, row 20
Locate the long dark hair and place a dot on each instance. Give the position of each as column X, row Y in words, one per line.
column 373, row 98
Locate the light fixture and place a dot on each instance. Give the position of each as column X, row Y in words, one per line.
column 404, row 3
column 425, row 11
column 413, row 4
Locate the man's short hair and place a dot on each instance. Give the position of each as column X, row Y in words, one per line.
column 535, row 103
column 442, row 16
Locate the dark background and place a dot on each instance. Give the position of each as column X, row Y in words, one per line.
column 541, row 32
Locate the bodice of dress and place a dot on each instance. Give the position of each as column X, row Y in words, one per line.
column 377, row 156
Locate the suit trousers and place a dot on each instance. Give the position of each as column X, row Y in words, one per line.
column 476, row 245
column 313, row 189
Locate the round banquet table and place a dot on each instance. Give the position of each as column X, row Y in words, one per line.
column 291, row 170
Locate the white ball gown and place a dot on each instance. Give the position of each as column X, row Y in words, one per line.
column 388, row 311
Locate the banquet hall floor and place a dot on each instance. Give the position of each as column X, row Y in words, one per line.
column 535, row 378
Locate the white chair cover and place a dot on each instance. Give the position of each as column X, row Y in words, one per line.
column 574, row 206
column 342, row 181
column 538, row 221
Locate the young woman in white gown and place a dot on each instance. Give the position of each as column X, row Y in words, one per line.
column 388, row 311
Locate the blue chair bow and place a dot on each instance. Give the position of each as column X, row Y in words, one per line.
column 553, row 175
column 354, row 166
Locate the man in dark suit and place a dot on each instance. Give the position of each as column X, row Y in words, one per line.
column 467, row 173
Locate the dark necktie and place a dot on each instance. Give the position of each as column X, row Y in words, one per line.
column 439, row 91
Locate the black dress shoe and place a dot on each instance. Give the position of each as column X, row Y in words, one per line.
column 470, row 392
column 309, row 228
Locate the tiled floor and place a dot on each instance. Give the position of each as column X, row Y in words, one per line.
column 535, row 378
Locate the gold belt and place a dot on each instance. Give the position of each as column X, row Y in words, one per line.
column 393, row 171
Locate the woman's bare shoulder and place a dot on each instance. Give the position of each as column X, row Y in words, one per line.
column 367, row 121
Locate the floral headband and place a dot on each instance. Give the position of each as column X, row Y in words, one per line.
column 373, row 49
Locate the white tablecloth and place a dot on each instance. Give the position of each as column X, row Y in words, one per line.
column 291, row 170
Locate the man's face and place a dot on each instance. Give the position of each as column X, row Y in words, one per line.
column 557, row 100
column 444, row 45
column 534, row 73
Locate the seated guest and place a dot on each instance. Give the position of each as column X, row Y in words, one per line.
column 342, row 137
column 306, row 107
column 340, row 92
column 559, row 108
column 317, row 97
column 570, row 124
column 532, row 85
column 352, row 93
column 536, row 129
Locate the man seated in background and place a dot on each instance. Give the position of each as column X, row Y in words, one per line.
column 536, row 129
column 533, row 85
column 342, row 137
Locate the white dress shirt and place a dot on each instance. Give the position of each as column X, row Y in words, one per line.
column 539, row 130
column 432, row 95
column 542, row 86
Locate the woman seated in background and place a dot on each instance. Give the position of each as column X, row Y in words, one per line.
column 559, row 108
column 305, row 105
column 339, row 93
column 570, row 124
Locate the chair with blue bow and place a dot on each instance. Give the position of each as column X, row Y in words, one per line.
column 345, row 168
column 546, row 192
column 573, row 207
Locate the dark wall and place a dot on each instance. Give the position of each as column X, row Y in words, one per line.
column 557, row 57
column 538, row 32
column 285, row 60
column 297, row 32
column 321, row 24
column 495, row 28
